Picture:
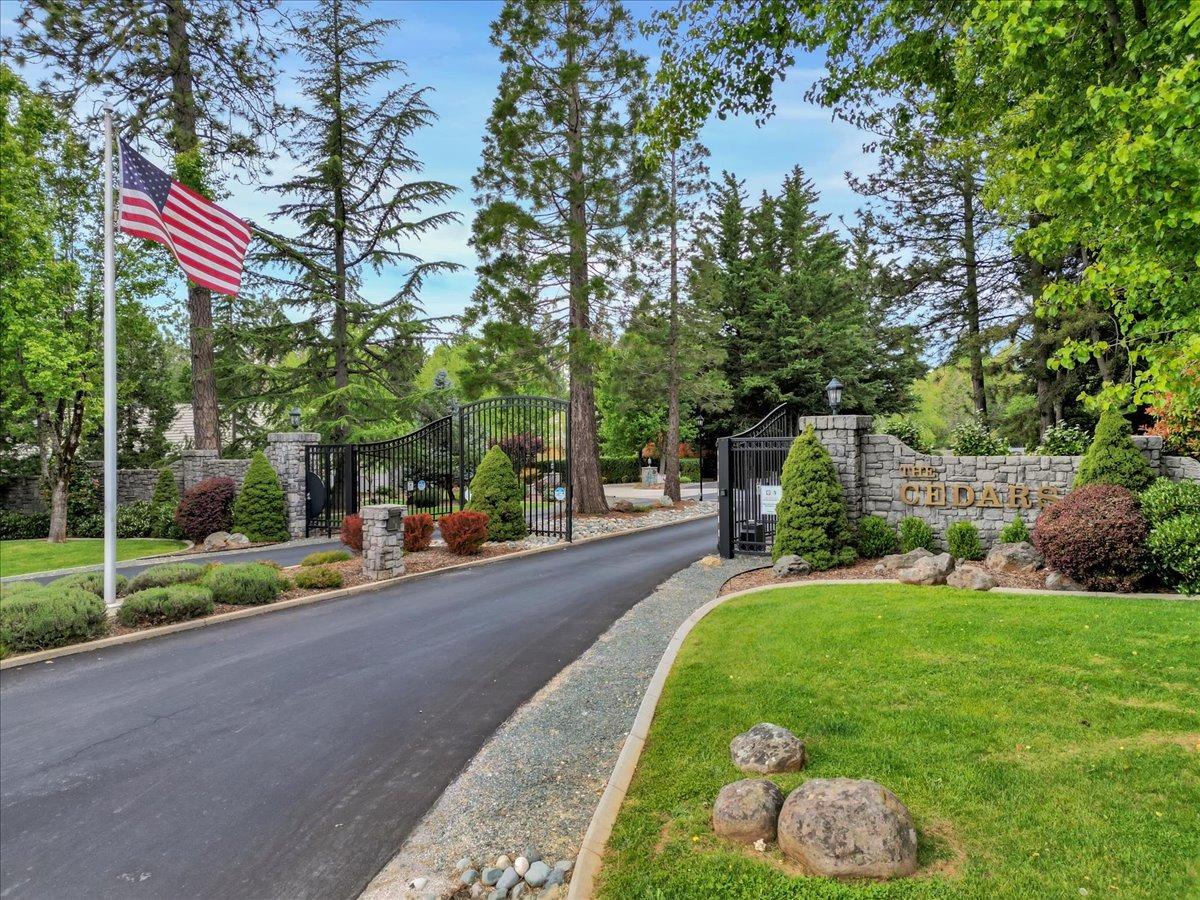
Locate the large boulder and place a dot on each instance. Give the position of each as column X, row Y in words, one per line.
column 791, row 565
column 767, row 748
column 1057, row 581
column 848, row 827
column 1021, row 558
column 971, row 578
column 895, row 561
column 928, row 570
column 746, row 811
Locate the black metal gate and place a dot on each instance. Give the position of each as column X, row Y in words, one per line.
column 430, row 469
column 749, row 473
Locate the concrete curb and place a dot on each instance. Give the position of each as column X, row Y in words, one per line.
column 176, row 627
column 591, row 851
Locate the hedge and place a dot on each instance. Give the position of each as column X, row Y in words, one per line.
column 39, row 618
column 16, row 526
column 157, row 606
column 811, row 516
column 245, row 584
column 166, row 574
column 1166, row 499
column 620, row 469
column 1174, row 546
column 496, row 491
column 260, row 511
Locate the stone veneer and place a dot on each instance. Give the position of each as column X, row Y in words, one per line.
column 383, row 540
column 285, row 452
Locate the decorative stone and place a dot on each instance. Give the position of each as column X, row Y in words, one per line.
column 477, row 889
column 767, row 748
column 760, row 845
column 508, row 879
column 896, row 561
column 418, row 884
column 746, row 811
column 927, row 570
column 462, row 864
column 665, row 501
column 972, row 578
column 537, row 874
column 521, row 864
column 1057, row 581
column 218, row 540
column 847, row 827
column 565, row 865
column 502, row 861
column 791, row 565
column 468, row 876
column 531, row 853
column 518, row 890
column 556, row 876
column 625, row 506
column 1021, row 557
column 491, row 875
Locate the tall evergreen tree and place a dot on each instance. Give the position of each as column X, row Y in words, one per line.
column 551, row 193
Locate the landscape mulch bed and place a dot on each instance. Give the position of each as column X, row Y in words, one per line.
column 861, row 569
column 440, row 557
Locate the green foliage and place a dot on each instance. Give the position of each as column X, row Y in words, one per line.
column 907, row 430
column 260, row 511
column 318, row 577
column 1113, row 458
column 962, row 540
column 158, row 606
column 137, row 519
column 245, row 584
column 496, row 491
column 166, row 574
column 1165, row 499
column 39, row 618
column 811, row 516
column 1014, row 532
column 915, row 532
column 324, row 557
column 972, row 438
column 166, row 491
column 1063, row 440
column 16, row 526
column 876, row 537
column 620, row 469
column 90, row 581
column 1174, row 546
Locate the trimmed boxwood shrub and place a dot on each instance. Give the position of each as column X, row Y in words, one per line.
column 418, row 532
column 90, row 581
column 497, row 492
column 324, row 557
column 1174, row 546
column 915, row 532
column 1014, row 532
column 157, row 606
column 1095, row 535
column 973, row 438
column 351, row 533
column 39, row 618
column 1113, row 458
column 206, row 507
column 166, row 491
column 244, row 584
column 260, row 511
column 15, row 526
column 166, row 574
column 811, row 516
column 464, row 532
column 318, row 577
column 962, row 540
column 876, row 537
column 1166, row 499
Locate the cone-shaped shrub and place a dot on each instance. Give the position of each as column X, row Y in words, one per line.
column 811, row 515
column 166, row 492
column 1112, row 457
column 496, row 491
column 260, row 512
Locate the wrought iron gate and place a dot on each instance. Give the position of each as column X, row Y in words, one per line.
column 746, row 463
column 430, row 469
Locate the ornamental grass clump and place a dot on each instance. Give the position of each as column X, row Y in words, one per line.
column 1095, row 535
column 245, row 584
column 166, row 574
column 418, row 532
column 1014, row 532
column 1113, row 458
column 260, row 511
column 876, row 537
column 158, row 606
column 464, row 532
column 40, row 618
column 206, row 508
column 915, row 533
column 811, row 515
column 496, row 491
column 962, row 540
column 325, row 557
column 318, row 577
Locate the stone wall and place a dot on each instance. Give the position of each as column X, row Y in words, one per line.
column 22, row 494
column 285, row 451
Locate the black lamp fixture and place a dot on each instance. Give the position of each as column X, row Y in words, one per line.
column 295, row 417
column 833, row 392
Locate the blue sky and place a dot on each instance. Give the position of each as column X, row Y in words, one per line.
column 445, row 45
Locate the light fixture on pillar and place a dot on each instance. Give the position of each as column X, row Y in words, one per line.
column 295, row 417
column 833, row 393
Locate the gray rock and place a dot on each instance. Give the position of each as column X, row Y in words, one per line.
column 518, row 891
column 791, row 565
column 531, row 853
column 837, row 827
column 565, row 865
column 218, row 540
column 508, row 879
column 746, row 811
column 468, row 876
column 895, row 561
column 537, row 874
column 665, row 501
column 491, row 875
column 972, row 578
column 462, row 864
column 927, row 570
column 1057, row 581
column 1021, row 557
column 556, row 876
column 477, row 889
column 497, row 894
column 622, row 506
column 237, row 539
column 521, row 864
column 767, row 748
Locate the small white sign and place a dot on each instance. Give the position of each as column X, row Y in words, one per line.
column 409, row 485
column 421, row 485
column 560, row 493
column 769, row 496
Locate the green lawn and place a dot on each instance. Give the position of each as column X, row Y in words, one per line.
column 1047, row 746
column 23, row 557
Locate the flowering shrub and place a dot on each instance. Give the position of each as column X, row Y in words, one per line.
column 206, row 507
column 418, row 532
column 352, row 532
column 464, row 532
column 973, row 438
column 1095, row 535
column 1063, row 440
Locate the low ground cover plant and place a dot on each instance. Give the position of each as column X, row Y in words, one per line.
column 962, row 540
column 915, row 533
column 166, row 574
column 1096, row 535
column 245, row 584
column 1014, row 532
column 418, row 532
column 260, row 512
column 351, row 533
column 325, row 557
column 1113, row 458
column 158, row 606
column 91, row 581
column 464, row 532
column 876, row 537
column 497, row 492
column 318, row 577
column 40, row 618
column 811, row 516
column 206, row 507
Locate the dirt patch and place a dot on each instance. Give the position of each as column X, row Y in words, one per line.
column 1034, row 756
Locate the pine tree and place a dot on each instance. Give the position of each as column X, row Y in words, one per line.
column 551, row 192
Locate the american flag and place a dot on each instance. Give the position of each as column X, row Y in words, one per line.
column 207, row 241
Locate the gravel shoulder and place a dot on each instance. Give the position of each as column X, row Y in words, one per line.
column 537, row 781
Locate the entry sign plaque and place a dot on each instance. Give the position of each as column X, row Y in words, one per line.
column 560, row 493
column 769, row 496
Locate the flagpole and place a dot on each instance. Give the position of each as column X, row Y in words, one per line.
column 110, row 377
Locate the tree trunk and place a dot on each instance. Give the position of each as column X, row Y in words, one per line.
column 200, row 333
column 58, row 506
column 1042, row 377
column 341, row 365
column 587, row 487
column 670, row 453
column 971, row 298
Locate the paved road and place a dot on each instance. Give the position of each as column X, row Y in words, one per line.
column 289, row 755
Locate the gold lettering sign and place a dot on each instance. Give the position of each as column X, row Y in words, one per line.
column 959, row 495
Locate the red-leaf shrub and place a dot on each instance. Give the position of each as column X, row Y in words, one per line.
column 206, row 507
column 1095, row 535
column 464, row 531
column 418, row 532
column 352, row 532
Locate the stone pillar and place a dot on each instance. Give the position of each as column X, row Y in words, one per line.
column 195, row 465
column 285, row 452
column 844, row 437
column 383, row 540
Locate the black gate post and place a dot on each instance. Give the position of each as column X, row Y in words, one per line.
column 724, row 500
column 462, row 462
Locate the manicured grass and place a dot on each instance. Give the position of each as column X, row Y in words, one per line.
column 1046, row 746
column 23, row 557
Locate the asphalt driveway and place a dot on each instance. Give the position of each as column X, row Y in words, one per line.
column 289, row 755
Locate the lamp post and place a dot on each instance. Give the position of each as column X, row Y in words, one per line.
column 700, row 445
column 833, row 393
column 295, row 417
